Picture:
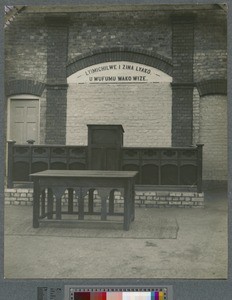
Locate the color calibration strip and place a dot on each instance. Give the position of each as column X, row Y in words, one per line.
column 128, row 295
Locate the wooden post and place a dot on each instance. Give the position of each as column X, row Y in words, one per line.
column 199, row 167
column 10, row 163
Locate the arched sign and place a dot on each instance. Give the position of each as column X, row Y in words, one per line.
column 119, row 72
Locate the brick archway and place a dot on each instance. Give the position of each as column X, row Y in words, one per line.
column 212, row 87
column 120, row 54
column 25, row 86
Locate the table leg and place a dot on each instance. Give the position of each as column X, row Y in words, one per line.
column 50, row 204
column 133, row 207
column 111, row 202
column 58, row 208
column 103, row 209
column 81, row 205
column 133, row 200
column 103, row 193
column 127, row 206
column 43, row 204
column 36, row 204
column 91, row 194
column 58, row 191
column 70, row 201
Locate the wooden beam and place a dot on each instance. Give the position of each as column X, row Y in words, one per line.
column 114, row 8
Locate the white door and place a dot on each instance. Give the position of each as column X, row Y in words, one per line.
column 24, row 120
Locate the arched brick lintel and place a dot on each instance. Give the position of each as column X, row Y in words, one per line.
column 25, row 86
column 120, row 54
column 212, row 87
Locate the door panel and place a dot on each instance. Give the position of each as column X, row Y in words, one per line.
column 31, row 131
column 24, row 120
column 18, row 111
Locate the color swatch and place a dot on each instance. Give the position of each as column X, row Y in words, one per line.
column 128, row 295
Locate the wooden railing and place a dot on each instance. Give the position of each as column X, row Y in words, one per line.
column 26, row 159
column 156, row 166
column 165, row 166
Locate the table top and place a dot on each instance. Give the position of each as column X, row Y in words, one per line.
column 85, row 173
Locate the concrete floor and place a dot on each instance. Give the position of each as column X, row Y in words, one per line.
column 198, row 251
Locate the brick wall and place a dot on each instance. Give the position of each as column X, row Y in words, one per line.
column 143, row 199
column 26, row 38
column 56, row 116
column 146, row 120
column 26, row 48
column 210, row 110
column 43, row 108
column 182, row 116
column 57, row 49
column 182, row 96
column 213, row 134
column 196, row 116
column 210, row 42
column 145, row 30
column 19, row 196
column 210, row 129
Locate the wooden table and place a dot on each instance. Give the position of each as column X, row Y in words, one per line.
column 51, row 184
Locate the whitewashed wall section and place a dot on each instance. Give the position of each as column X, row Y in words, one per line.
column 213, row 134
column 136, row 96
